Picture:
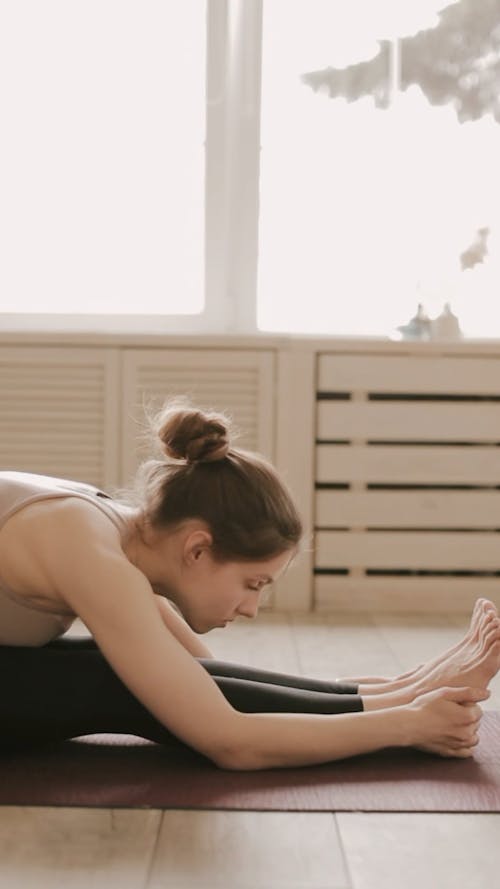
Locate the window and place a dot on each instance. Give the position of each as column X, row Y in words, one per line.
column 379, row 182
column 309, row 166
column 102, row 159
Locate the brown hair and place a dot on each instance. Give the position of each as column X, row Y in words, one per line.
column 239, row 494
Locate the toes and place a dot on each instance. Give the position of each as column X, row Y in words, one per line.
column 477, row 611
column 493, row 631
column 483, row 612
column 490, row 633
column 484, row 606
column 485, row 620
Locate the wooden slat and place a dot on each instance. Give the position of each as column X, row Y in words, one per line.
column 413, row 465
column 408, row 550
column 294, row 457
column 405, row 594
column 415, row 850
column 408, row 509
column 242, row 850
column 239, row 383
column 380, row 421
column 59, row 412
column 412, row 374
column 107, row 847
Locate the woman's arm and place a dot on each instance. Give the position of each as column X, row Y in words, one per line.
column 444, row 722
column 88, row 569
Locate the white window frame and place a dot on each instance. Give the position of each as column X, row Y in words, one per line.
column 233, row 158
column 233, row 84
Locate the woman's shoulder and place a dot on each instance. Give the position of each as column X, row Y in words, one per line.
column 72, row 517
column 51, row 538
column 48, row 527
column 75, row 544
column 29, row 502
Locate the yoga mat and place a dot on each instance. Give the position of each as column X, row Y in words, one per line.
column 116, row 771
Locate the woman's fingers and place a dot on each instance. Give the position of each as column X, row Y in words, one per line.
column 467, row 739
column 449, row 720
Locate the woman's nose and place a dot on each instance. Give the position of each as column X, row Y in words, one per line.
column 250, row 606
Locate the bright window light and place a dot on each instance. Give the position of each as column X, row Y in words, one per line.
column 102, row 108
column 369, row 203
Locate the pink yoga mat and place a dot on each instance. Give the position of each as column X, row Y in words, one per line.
column 123, row 771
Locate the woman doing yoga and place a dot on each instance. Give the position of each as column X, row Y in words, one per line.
column 208, row 528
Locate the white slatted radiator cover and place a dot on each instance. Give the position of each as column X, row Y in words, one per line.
column 240, row 383
column 59, row 412
column 407, row 503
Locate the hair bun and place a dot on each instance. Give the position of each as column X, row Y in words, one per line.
column 192, row 435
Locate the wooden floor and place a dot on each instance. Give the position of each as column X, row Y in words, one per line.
column 150, row 849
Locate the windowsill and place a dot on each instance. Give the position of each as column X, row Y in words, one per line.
column 238, row 340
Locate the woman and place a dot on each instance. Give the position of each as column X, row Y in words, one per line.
column 211, row 526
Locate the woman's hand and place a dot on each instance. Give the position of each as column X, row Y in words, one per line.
column 446, row 720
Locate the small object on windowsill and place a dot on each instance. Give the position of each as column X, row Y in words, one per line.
column 418, row 328
column 446, row 326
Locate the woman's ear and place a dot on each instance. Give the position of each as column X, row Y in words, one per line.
column 196, row 544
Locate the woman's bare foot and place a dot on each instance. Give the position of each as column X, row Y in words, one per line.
column 475, row 671
column 473, row 665
column 482, row 622
column 469, row 646
column 483, row 612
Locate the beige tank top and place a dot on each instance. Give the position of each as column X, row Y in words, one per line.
column 21, row 622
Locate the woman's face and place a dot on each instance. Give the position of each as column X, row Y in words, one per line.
column 210, row 594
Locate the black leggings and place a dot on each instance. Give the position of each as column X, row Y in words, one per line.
column 67, row 689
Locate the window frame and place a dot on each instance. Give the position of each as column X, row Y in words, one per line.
column 232, row 147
